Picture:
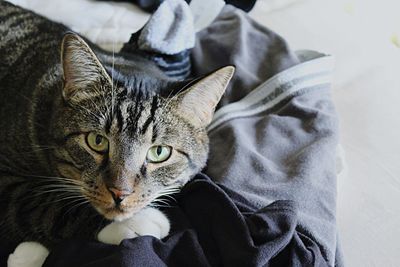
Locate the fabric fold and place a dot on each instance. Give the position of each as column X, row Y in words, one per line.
column 275, row 133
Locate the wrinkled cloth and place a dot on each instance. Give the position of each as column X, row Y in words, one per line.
column 209, row 229
column 276, row 132
column 166, row 39
column 169, row 30
column 176, row 66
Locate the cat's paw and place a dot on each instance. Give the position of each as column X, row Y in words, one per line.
column 28, row 254
column 148, row 221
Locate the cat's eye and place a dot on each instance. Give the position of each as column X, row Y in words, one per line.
column 97, row 142
column 157, row 154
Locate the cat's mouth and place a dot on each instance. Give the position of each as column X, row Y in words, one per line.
column 115, row 206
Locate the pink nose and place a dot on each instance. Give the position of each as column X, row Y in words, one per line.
column 118, row 195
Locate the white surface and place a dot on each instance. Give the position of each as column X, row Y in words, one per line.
column 361, row 34
column 105, row 23
column 366, row 94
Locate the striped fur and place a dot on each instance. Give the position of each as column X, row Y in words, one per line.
column 52, row 185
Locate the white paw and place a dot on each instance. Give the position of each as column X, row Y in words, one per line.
column 148, row 221
column 28, row 254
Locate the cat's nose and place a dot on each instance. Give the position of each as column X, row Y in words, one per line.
column 118, row 195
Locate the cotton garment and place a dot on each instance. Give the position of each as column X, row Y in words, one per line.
column 276, row 132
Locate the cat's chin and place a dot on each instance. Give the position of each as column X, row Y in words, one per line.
column 118, row 217
column 117, row 214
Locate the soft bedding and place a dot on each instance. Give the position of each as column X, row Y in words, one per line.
column 268, row 194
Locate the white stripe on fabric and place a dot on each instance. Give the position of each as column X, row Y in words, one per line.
column 311, row 73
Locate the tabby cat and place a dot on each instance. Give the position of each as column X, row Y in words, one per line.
column 90, row 140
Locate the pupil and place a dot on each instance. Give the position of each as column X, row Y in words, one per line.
column 159, row 150
column 98, row 139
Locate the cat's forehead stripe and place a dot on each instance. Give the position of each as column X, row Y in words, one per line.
column 120, row 119
column 154, row 106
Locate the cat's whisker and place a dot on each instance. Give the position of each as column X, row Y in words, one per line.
column 161, row 203
column 61, row 190
column 61, row 183
column 170, row 99
column 58, row 194
column 170, row 191
column 63, row 186
column 170, row 197
column 153, row 205
column 69, row 199
column 66, row 188
column 88, row 110
column 76, row 206
column 105, row 99
column 165, row 196
column 42, row 192
column 102, row 95
column 164, row 200
column 55, row 178
column 74, row 199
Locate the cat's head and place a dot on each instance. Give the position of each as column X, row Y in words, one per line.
column 126, row 144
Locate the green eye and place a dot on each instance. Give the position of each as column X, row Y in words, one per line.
column 97, row 142
column 157, row 154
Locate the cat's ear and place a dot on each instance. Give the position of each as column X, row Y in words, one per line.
column 197, row 103
column 82, row 71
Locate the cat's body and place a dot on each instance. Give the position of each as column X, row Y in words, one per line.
column 88, row 137
column 30, row 55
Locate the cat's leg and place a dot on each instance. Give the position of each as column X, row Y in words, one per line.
column 28, row 254
column 148, row 221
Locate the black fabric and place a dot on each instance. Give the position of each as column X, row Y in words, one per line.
column 147, row 5
column 152, row 5
column 245, row 5
column 177, row 66
column 210, row 227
